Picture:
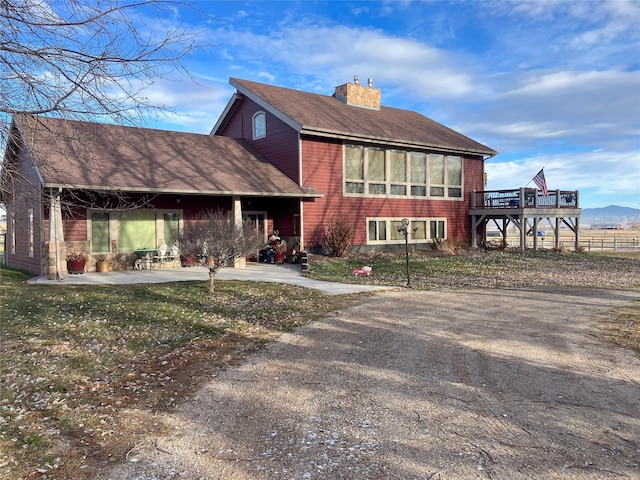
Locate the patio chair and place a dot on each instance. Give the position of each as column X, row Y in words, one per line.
column 161, row 255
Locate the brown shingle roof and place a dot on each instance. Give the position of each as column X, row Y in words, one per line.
column 327, row 116
column 92, row 155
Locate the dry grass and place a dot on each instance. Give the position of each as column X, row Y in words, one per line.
column 84, row 368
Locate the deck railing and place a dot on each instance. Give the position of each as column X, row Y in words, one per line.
column 524, row 198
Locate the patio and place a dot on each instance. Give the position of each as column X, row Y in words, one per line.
column 260, row 272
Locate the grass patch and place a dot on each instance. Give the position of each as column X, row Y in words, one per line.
column 73, row 358
column 83, row 368
column 623, row 329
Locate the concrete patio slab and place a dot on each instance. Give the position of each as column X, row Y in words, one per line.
column 259, row 272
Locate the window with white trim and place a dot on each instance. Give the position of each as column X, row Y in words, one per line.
column 259, row 122
column 374, row 171
column 385, row 230
column 133, row 229
column 13, row 233
column 32, row 235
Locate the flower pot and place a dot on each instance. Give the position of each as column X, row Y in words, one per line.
column 102, row 266
column 187, row 260
column 76, row 266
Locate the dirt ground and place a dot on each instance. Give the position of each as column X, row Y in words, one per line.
column 447, row 384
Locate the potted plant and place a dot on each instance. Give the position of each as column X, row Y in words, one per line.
column 76, row 262
column 279, row 252
column 102, row 264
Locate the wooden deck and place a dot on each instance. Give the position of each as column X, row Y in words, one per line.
column 526, row 209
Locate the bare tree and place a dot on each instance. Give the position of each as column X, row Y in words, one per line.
column 84, row 60
column 214, row 242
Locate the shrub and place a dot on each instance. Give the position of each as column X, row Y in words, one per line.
column 450, row 247
column 336, row 239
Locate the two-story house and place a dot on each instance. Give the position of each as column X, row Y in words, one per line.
column 285, row 159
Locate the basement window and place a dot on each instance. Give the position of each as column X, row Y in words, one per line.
column 385, row 230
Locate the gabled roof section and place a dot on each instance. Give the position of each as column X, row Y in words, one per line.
column 323, row 115
column 74, row 154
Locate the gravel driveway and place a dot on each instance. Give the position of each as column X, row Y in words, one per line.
column 448, row 384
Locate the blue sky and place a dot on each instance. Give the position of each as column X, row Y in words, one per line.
column 547, row 83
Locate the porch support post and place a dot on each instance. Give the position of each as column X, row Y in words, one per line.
column 237, row 223
column 56, row 238
column 524, row 224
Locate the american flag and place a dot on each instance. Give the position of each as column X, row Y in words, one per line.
column 540, row 181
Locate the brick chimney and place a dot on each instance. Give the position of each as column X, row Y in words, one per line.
column 359, row 95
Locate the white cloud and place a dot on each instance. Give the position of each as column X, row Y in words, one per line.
column 571, row 171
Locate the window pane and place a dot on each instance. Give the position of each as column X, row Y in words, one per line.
column 436, row 169
column 352, row 187
column 377, row 188
column 454, row 192
column 353, row 163
column 171, row 226
column 454, row 170
column 419, row 191
column 373, row 230
column 32, row 235
column 382, row 230
column 418, row 167
column 421, row 232
column 376, row 164
column 395, row 234
column 398, row 190
column 137, row 231
column 436, row 191
column 259, row 125
column 100, row 232
column 436, row 229
column 398, row 166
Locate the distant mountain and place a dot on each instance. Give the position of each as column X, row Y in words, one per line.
column 610, row 214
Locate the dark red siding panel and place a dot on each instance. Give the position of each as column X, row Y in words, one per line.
column 26, row 195
column 322, row 169
column 280, row 146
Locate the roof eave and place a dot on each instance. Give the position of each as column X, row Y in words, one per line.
column 177, row 191
column 326, row 133
column 232, row 105
column 266, row 105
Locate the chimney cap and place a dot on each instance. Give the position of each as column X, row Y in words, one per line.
column 370, row 82
column 356, row 79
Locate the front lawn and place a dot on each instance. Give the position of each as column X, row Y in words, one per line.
column 75, row 359
column 84, row 368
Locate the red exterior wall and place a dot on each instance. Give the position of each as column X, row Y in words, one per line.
column 322, row 169
column 280, row 145
column 26, row 195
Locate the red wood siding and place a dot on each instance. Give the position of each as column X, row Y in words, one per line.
column 322, row 169
column 280, row 145
column 26, row 195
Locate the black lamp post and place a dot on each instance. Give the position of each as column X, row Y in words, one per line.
column 404, row 230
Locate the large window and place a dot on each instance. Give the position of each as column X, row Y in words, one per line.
column 373, row 171
column 385, row 230
column 134, row 230
column 100, row 239
column 259, row 125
